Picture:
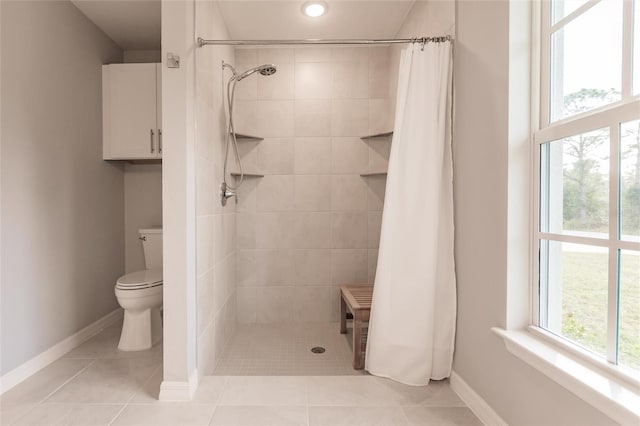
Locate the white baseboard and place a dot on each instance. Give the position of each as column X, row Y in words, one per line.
column 179, row 391
column 475, row 402
column 38, row 362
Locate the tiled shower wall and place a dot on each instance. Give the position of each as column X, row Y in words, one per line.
column 215, row 225
column 312, row 222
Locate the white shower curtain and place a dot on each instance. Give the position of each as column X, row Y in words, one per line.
column 413, row 313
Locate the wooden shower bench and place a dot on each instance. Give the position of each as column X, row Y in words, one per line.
column 357, row 298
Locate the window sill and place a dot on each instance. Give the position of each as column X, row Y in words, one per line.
column 614, row 396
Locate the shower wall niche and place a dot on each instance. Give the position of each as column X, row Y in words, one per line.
column 312, row 222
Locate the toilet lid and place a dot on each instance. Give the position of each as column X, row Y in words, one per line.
column 140, row 279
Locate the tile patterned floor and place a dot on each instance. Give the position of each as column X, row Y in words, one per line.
column 97, row 385
column 285, row 350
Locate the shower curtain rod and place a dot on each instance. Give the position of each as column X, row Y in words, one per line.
column 423, row 40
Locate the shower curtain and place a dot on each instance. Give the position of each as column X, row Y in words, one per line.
column 413, row 312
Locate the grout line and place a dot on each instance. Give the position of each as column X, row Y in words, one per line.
column 143, row 384
column 404, row 414
column 213, row 413
column 42, row 401
column 308, row 391
column 68, row 380
column 15, row 421
column 118, row 414
column 224, row 389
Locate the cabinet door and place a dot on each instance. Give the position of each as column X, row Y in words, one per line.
column 131, row 129
column 159, row 106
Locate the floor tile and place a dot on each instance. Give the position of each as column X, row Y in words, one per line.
column 250, row 390
column 107, row 381
column 260, row 415
column 275, row 386
column 105, row 342
column 350, row 391
column 210, row 389
column 47, row 380
column 161, row 415
column 437, row 393
column 45, row 415
column 378, row 391
column 285, row 350
column 70, row 414
column 9, row 412
column 149, row 392
column 356, row 416
column 441, row 416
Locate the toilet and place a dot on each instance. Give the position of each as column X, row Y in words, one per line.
column 140, row 295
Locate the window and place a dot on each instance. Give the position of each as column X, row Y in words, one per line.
column 588, row 177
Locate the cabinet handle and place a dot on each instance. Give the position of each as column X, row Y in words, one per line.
column 159, row 141
column 151, row 140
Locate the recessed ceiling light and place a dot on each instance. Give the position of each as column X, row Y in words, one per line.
column 314, row 8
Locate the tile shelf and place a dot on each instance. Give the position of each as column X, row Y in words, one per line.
column 373, row 136
column 374, row 173
column 244, row 136
column 247, row 174
column 377, row 135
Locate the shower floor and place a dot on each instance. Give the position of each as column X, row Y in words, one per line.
column 285, row 350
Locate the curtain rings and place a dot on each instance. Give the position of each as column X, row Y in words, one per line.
column 424, row 40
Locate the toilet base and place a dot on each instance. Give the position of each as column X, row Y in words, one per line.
column 140, row 329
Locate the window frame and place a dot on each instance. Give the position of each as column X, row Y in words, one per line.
column 544, row 131
column 590, row 378
column 543, row 30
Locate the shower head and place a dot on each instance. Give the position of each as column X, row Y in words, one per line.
column 266, row 69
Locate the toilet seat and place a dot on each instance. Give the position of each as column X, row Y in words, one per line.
column 147, row 278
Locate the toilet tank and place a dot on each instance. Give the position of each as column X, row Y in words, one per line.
column 152, row 246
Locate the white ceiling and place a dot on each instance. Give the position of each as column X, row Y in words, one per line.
column 132, row 24
column 256, row 19
column 135, row 24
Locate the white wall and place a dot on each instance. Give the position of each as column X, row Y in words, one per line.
column 483, row 146
column 62, row 222
column 2, row 320
column 179, row 203
column 199, row 255
column 141, row 56
column 142, row 208
column 216, row 225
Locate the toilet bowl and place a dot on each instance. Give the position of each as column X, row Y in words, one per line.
column 140, row 295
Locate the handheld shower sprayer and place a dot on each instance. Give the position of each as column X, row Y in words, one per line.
column 266, row 70
column 226, row 190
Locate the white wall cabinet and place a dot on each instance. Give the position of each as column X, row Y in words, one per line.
column 131, row 112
